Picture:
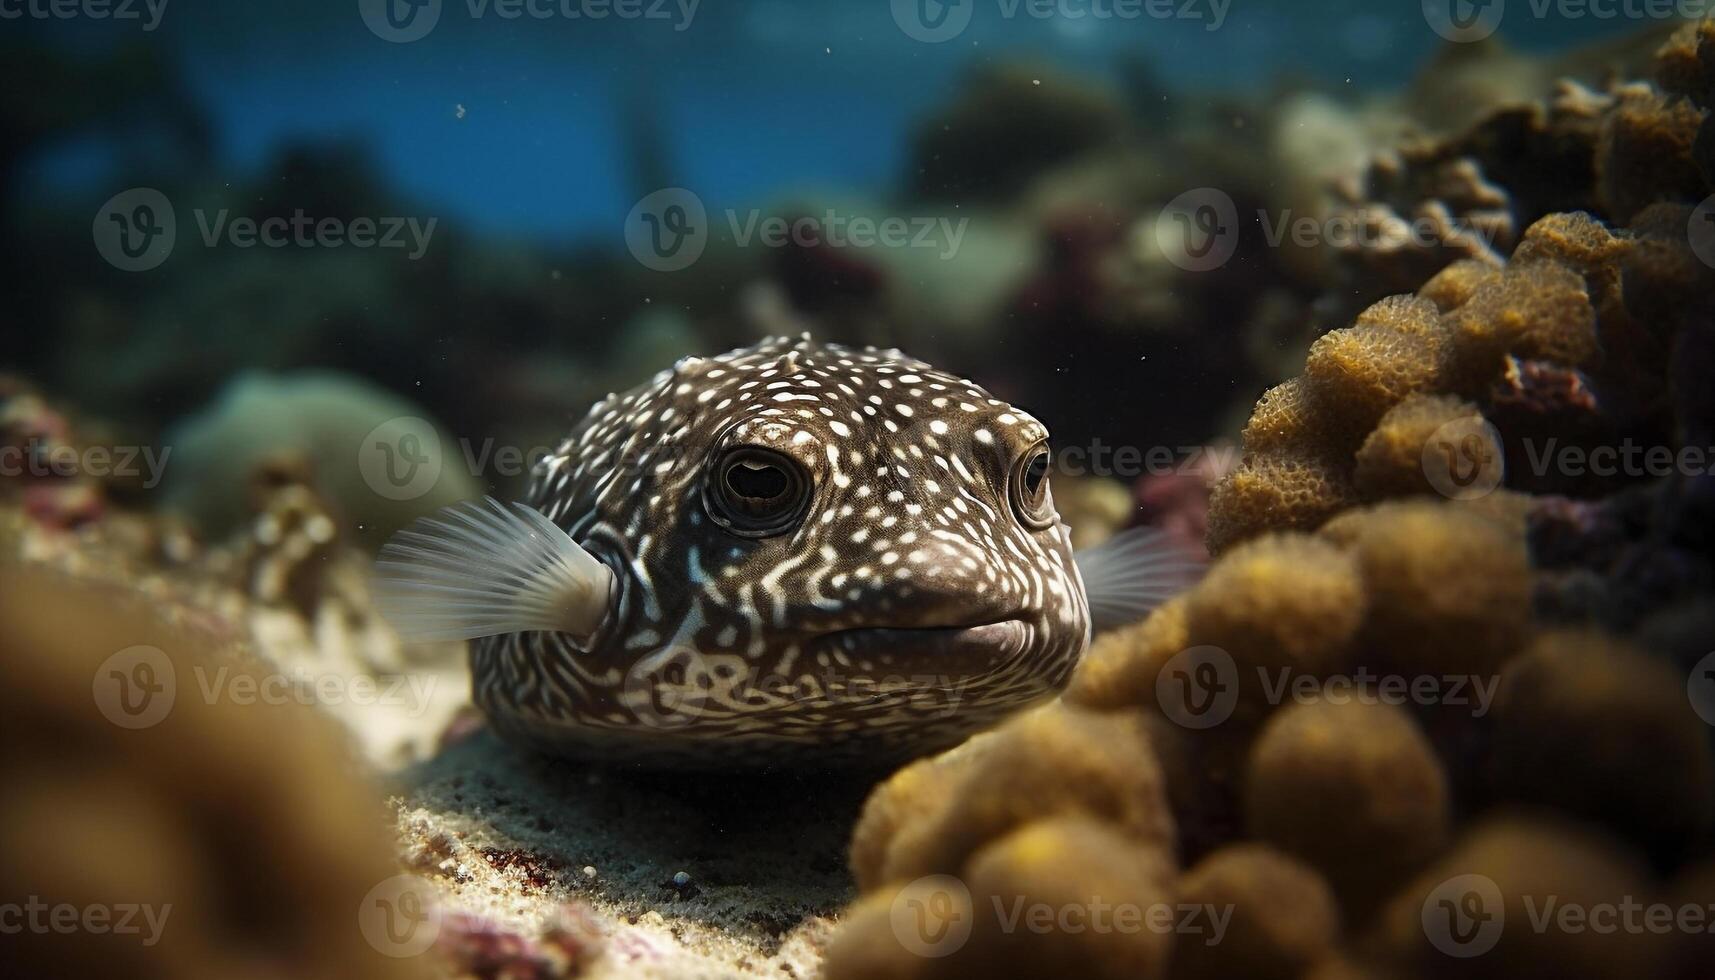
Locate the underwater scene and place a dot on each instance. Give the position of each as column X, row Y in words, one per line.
column 845, row 489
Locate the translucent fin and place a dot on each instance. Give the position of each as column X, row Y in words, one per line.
column 1131, row 573
column 483, row 568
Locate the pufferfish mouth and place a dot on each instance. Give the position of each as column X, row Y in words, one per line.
column 938, row 648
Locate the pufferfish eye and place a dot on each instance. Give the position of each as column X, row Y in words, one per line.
column 756, row 492
column 1029, row 485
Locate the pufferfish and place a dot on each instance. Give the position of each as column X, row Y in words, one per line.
column 792, row 553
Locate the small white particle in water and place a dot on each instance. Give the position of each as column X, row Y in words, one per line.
column 458, row 111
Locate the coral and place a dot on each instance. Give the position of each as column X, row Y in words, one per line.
column 1685, row 65
column 867, row 947
column 1284, row 419
column 1050, row 761
column 1277, row 491
column 1353, row 549
column 322, row 420
column 920, row 791
column 1065, row 895
column 1630, row 342
column 1072, row 863
column 293, row 539
column 1201, row 769
column 41, row 461
column 1390, row 462
column 1537, row 310
column 1121, row 667
column 1644, row 153
column 1511, row 140
column 1667, row 284
column 1300, row 471
column 1421, row 588
column 1281, row 601
column 1394, row 349
column 1525, row 860
column 1204, row 771
column 1352, row 788
column 1454, row 285
column 1058, row 808
column 265, row 856
column 1283, row 916
column 1448, row 586
column 1431, row 213
column 1588, row 725
column 1509, row 341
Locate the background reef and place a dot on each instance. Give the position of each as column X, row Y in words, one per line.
column 1355, row 426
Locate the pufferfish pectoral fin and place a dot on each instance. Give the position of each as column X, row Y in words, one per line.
column 1131, row 573
column 483, row 568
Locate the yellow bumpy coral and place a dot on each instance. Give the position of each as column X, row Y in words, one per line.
column 1373, row 395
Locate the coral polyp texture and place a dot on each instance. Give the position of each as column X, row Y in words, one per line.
column 1430, row 674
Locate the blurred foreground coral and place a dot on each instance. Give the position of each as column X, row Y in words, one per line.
column 193, row 837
